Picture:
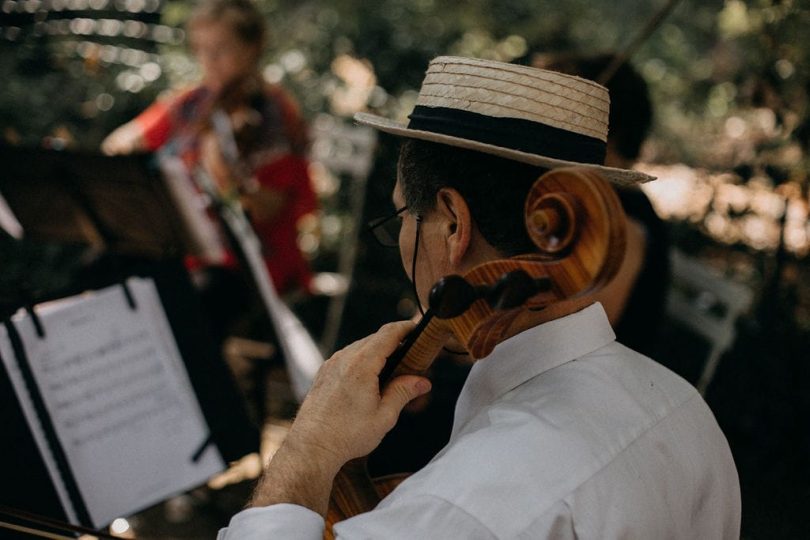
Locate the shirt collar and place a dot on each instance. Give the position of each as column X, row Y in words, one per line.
column 530, row 353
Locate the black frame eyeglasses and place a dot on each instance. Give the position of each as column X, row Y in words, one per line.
column 386, row 232
column 386, row 229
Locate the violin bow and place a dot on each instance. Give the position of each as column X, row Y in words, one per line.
column 632, row 47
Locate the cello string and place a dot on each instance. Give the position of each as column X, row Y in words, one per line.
column 50, row 522
column 34, row 532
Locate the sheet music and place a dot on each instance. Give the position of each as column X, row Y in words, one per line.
column 193, row 207
column 120, row 399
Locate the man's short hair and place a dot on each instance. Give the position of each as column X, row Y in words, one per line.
column 494, row 188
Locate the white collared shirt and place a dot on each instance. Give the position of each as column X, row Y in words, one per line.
column 560, row 433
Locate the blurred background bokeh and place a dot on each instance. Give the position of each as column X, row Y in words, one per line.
column 730, row 145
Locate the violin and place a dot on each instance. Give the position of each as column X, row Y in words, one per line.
column 575, row 219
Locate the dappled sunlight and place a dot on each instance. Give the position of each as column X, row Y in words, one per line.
column 729, row 211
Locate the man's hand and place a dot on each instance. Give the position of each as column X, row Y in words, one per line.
column 345, row 412
column 343, row 417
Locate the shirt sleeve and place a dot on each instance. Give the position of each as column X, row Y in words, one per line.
column 276, row 521
column 420, row 517
column 424, row 516
column 167, row 114
column 156, row 124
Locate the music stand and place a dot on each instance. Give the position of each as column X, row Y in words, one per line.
column 120, row 203
column 125, row 207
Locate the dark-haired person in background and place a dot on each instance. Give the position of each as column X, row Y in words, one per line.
column 636, row 300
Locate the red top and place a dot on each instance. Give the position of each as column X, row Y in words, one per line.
column 156, row 122
column 173, row 124
column 288, row 176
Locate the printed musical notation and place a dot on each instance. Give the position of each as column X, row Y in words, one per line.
column 100, row 391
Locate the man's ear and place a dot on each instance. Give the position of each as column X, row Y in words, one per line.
column 457, row 223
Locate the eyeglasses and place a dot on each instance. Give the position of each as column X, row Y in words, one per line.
column 386, row 232
column 386, row 229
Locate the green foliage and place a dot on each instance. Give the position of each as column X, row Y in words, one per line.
column 708, row 61
column 726, row 76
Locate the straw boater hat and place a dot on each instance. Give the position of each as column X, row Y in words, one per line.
column 540, row 117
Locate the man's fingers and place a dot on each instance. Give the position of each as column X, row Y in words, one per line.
column 393, row 333
column 369, row 354
column 398, row 393
column 386, row 341
column 389, row 335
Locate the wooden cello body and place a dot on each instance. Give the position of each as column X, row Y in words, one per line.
column 576, row 221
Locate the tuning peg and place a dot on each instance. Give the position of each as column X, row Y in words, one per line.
column 451, row 296
column 514, row 288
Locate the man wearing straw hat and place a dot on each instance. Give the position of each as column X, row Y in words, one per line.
column 561, row 432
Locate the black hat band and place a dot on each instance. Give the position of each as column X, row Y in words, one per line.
column 512, row 133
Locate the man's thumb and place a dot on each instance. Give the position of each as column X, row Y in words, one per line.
column 403, row 389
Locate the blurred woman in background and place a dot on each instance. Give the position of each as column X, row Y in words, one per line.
column 257, row 155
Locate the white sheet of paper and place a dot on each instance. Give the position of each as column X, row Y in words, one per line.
column 120, row 399
column 193, row 208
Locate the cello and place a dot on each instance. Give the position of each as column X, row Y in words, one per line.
column 575, row 220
